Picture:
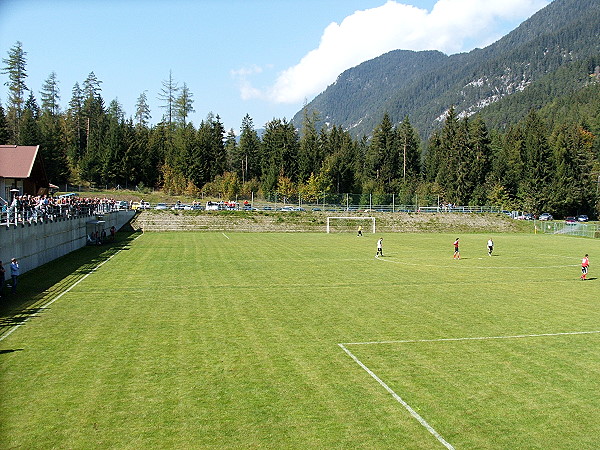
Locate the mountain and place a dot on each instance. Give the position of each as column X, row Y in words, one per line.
column 551, row 54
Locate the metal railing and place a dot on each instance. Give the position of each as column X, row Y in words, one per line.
column 12, row 215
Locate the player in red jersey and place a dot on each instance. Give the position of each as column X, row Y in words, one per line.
column 456, row 252
column 585, row 263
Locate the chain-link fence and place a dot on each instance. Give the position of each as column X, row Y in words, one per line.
column 582, row 229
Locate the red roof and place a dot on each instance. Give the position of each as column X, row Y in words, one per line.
column 16, row 161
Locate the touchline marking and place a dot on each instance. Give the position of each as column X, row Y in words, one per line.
column 477, row 338
column 13, row 329
column 225, row 235
column 399, row 399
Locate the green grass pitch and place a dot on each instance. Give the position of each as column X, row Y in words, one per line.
column 231, row 340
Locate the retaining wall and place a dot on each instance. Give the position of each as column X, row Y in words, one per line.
column 37, row 243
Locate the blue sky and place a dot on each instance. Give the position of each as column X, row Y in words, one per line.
column 264, row 58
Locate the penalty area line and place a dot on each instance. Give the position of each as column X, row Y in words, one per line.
column 46, row 305
column 399, row 399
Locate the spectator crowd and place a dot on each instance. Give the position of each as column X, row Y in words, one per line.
column 28, row 208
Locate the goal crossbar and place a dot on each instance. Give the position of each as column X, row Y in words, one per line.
column 372, row 219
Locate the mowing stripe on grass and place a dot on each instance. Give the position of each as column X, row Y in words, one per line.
column 399, row 400
column 475, row 267
column 13, row 329
column 478, row 338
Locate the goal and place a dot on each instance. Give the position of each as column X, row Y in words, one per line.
column 346, row 224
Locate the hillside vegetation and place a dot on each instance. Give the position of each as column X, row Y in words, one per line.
column 151, row 220
column 423, row 85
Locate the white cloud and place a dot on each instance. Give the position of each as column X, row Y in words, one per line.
column 369, row 33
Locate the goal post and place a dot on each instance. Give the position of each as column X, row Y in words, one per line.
column 344, row 224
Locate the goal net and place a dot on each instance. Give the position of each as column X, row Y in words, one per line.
column 350, row 224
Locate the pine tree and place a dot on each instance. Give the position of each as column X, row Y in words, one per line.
column 481, row 164
column 50, row 95
column 231, row 149
column 142, row 110
column 461, row 187
column 184, row 105
column 29, row 132
column 76, row 139
column 17, row 73
column 280, row 152
column 448, row 156
column 4, row 131
column 382, row 155
column 339, row 170
column 246, row 160
column 535, row 190
column 91, row 163
column 309, row 157
column 431, row 164
column 409, row 146
column 572, row 182
column 53, row 146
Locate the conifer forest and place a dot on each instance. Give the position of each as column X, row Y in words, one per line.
column 548, row 161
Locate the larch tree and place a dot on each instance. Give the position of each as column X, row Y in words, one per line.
column 168, row 97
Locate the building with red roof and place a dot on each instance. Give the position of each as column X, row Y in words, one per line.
column 22, row 170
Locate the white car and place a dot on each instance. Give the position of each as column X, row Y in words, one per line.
column 161, row 206
column 546, row 216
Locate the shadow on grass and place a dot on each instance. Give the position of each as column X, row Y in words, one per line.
column 39, row 286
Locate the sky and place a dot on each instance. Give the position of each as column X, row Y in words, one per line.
column 264, row 58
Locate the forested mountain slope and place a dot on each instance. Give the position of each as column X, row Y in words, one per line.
column 551, row 54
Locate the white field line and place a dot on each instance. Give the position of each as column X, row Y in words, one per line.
column 13, row 329
column 399, row 399
column 384, row 259
column 225, row 235
column 477, row 338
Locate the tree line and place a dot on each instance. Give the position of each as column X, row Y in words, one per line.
column 530, row 166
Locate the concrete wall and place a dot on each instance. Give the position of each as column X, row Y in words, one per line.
column 41, row 242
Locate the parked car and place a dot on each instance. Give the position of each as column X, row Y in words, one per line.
column 161, row 206
column 570, row 220
column 546, row 216
column 70, row 194
column 122, row 204
column 140, row 205
column 582, row 218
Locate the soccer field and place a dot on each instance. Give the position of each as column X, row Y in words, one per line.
column 248, row 340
